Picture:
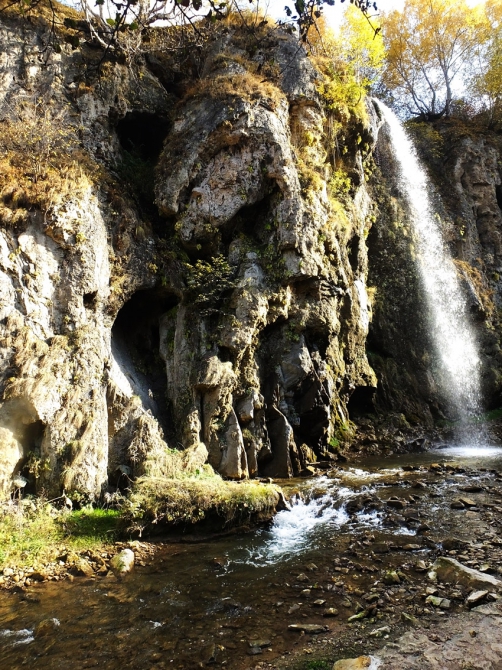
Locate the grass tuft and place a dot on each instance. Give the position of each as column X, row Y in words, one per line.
column 171, row 502
column 33, row 531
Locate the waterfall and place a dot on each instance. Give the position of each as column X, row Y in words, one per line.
column 458, row 364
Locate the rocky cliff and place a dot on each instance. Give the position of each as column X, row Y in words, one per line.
column 184, row 265
column 224, row 310
column 464, row 165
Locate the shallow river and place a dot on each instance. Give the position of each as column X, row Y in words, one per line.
column 229, row 602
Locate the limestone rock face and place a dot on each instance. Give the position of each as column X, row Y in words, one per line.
column 225, row 314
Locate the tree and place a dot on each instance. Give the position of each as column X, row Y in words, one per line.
column 356, row 52
column 485, row 83
column 428, row 46
column 120, row 26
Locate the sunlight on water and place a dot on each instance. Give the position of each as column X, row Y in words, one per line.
column 363, row 475
column 458, row 370
column 471, row 451
column 295, row 530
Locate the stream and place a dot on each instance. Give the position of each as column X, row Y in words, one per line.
column 228, row 602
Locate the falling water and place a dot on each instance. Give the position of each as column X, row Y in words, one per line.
column 458, row 359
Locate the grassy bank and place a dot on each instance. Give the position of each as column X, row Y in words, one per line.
column 34, row 531
column 163, row 502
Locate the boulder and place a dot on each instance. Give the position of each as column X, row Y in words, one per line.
column 122, row 563
column 450, row 570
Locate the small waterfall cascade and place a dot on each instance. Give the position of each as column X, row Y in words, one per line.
column 458, row 362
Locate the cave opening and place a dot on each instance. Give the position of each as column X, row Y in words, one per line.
column 498, row 193
column 32, row 436
column 361, row 402
column 143, row 134
column 136, row 347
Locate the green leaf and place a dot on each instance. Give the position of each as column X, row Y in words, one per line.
column 111, row 22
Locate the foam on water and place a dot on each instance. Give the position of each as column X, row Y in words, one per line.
column 292, row 530
column 23, row 636
column 295, row 530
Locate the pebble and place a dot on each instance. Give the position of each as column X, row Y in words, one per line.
column 330, row 611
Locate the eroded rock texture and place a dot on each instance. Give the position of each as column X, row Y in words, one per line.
column 226, row 312
column 197, row 278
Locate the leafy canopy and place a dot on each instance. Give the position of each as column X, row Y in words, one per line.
column 430, row 45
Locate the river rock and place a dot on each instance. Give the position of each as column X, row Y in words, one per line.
column 436, row 601
column 122, row 563
column 475, row 597
column 409, row 618
column 260, row 643
column 353, row 663
column 310, row 628
column 380, row 548
column 330, row 611
column 82, row 567
column 468, row 502
column 450, row 543
column 254, row 651
column 391, row 577
column 39, row 575
column 46, row 627
column 396, row 503
column 450, row 570
column 380, row 632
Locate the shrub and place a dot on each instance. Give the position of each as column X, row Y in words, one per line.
column 41, row 162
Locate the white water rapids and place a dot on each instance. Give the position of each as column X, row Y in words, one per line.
column 458, row 374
